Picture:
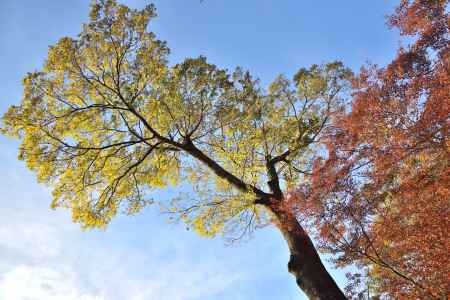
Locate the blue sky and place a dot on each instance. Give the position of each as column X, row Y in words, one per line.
column 45, row 256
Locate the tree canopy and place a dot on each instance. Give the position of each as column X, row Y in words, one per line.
column 108, row 119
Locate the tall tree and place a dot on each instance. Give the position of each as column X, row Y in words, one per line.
column 380, row 195
column 108, row 120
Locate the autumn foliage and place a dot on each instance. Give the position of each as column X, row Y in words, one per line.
column 379, row 198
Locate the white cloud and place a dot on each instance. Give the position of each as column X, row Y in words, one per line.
column 44, row 261
column 26, row 282
column 45, row 256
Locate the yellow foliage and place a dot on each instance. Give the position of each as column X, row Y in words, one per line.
column 107, row 120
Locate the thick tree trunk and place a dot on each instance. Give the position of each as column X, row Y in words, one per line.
column 305, row 264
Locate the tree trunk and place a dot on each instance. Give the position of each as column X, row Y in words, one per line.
column 305, row 264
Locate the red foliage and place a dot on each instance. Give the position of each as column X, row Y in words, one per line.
column 380, row 197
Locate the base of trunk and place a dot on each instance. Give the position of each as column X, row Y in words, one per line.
column 305, row 264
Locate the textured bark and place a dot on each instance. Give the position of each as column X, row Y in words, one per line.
column 305, row 264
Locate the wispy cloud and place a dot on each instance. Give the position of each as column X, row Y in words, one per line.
column 44, row 260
